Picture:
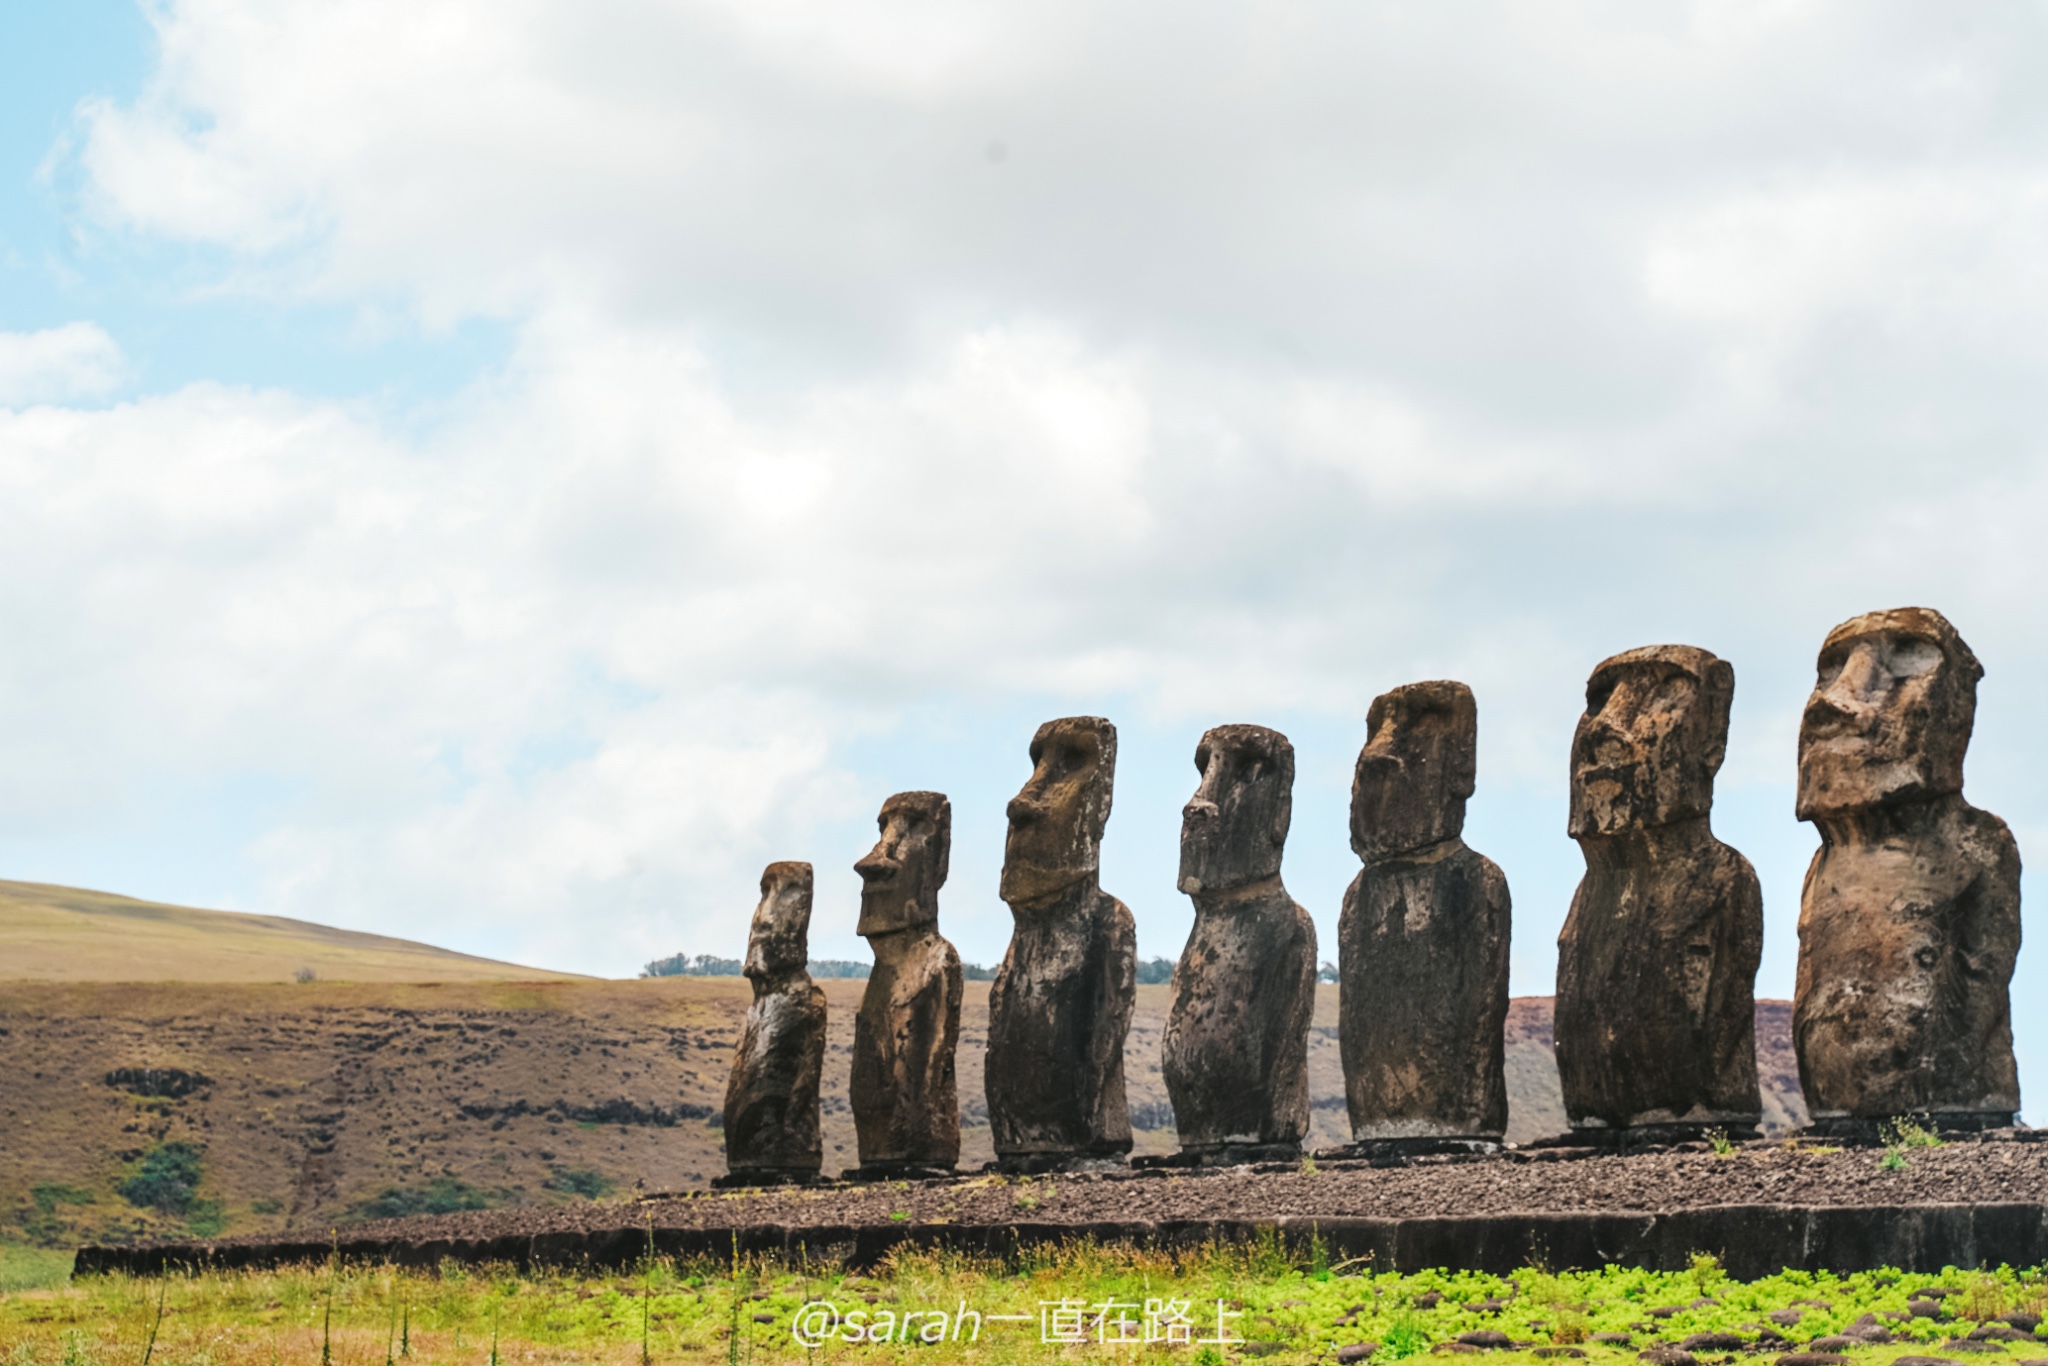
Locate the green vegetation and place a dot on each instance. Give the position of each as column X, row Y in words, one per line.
column 1291, row 1307
column 32, row 1268
column 443, row 1195
column 165, row 1179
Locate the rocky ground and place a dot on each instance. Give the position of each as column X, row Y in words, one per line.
column 1995, row 1169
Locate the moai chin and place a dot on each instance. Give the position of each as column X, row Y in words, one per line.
column 1423, row 940
column 1656, row 967
column 1909, row 922
column 906, row 1111
column 1235, row 1053
column 771, row 1098
column 1061, row 1002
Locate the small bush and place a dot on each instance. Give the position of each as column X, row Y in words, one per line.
column 165, row 1179
column 591, row 1185
column 1984, row 1299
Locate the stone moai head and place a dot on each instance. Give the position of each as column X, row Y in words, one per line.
column 780, row 941
column 1652, row 738
column 1890, row 715
column 1234, row 827
column 900, row 877
column 1419, row 764
column 1056, row 821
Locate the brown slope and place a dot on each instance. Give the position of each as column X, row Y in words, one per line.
column 68, row 934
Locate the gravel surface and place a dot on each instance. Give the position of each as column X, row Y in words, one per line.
column 1992, row 1170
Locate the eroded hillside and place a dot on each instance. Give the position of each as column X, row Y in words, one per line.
column 308, row 1104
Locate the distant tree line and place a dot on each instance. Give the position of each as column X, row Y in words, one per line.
column 1153, row 972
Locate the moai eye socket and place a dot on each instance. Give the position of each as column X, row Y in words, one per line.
column 1912, row 657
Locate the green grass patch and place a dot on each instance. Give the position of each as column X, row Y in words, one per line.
column 1277, row 1303
column 32, row 1268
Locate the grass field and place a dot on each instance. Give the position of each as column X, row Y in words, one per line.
column 1272, row 1307
column 66, row 934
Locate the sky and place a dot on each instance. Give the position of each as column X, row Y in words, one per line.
column 501, row 473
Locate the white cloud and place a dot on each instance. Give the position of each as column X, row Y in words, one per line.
column 1286, row 354
column 77, row 360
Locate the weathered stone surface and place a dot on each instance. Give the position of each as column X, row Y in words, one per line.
column 1423, row 939
column 906, row 1111
column 1061, row 1002
column 1235, row 1050
column 1909, row 923
column 1657, row 963
column 771, row 1097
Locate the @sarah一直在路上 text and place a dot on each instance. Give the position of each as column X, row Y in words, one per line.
column 1059, row 1322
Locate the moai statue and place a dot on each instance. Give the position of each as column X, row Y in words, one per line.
column 771, row 1098
column 1235, row 1053
column 1061, row 1001
column 906, row 1112
column 1656, row 967
column 1423, row 941
column 1910, row 918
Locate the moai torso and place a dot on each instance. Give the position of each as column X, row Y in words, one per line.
column 1423, row 939
column 1657, row 963
column 1061, row 1002
column 1235, row 1052
column 771, row 1098
column 1909, row 922
column 906, row 1111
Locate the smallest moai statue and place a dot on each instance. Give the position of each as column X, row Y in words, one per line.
column 771, row 1098
column 1235, row 1052
column 906, row 1105
column 1423, row 939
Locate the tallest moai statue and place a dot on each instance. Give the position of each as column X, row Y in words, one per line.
column 1656, row 968
column 1909, row 922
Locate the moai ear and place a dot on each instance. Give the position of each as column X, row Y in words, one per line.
column 1717, row 695
column 1283, row 812
column 1105, row 777
column 942, row 837
column 1463, row 743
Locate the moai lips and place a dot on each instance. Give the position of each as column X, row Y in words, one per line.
column 771, row 1098
column 1235, row 1053
column 1061, row 1002
column 1423, row 938
column 906, row 1111
column 1909, row 922
column 1657, row 962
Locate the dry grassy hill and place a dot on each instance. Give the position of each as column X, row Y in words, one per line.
column 67, row 935
column 308, row 1104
